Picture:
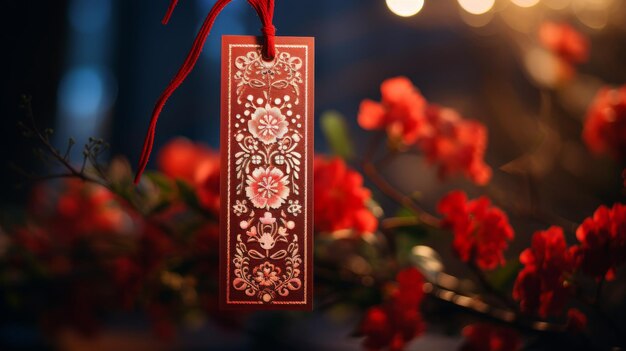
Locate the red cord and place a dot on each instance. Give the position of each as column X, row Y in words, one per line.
column 265, row 10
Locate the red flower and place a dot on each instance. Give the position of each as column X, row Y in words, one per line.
column 487, row 337
column 576, row 321
column 399, row 320
column 196, row 164
column 77, row 213
column 457, row 145
column 564, row 41
column 603, row 241
column 605, row 125
column 481, row 232
column 340, row 198
column 401, row 111
column 542, row 286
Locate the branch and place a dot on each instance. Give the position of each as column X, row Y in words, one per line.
column 371, row 171
column 43, row 138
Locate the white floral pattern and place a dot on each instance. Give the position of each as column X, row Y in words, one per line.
column 267, row 260
column 268, row 124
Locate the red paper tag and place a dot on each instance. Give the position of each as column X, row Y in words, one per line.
column 267, row 174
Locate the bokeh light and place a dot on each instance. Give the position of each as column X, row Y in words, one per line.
column 593, row 13
column 85, row 91
column 476, row 21
column 525, row 3
column 477, row 7
column 405, row 8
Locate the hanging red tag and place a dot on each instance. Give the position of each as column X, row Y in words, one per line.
column 266, row 176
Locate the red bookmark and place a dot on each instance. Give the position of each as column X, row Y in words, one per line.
column 267, row 163
column 267, row 168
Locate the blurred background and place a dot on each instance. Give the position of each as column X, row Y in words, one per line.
column 96, row 67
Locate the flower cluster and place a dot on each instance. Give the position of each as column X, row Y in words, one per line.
column 456, row 145
column 487, row 337
column 542, row 285
column 564, row 41
column 398, row 321
column 481, row 231
column 197, row 165
column 340, row 198
column 605, row 125
column 602, row 242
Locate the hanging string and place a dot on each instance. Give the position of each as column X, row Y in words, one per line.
column 265, row 10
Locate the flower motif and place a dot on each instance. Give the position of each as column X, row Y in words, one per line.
column 267, row 187
column 541, row 286
column 267, row 124
column 252, row 232
column 279, row 159
column 340, row 198
column 294, row 207
column 266, row 274
column 267, row 218
column 481, row 232
column 256, row 159
column 240, row 207
column 602, row 242
column 266, row 241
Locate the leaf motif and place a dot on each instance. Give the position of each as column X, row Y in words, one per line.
column 255, row 83
column 280, row 84
column 294, row 284
column 255, row 254
column 240, row 284
column 279, row 255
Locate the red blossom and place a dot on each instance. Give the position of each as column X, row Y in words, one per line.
column 603, row 241
column 564, row 41
column 401, row 111
column 487, row 337
column 340, row 198
column 457, row 145
column 196, row 164
column 605, row 125
column 541, row 286
column 481, row 231
column 576, row 321
column 398, row 321
column 82, row 209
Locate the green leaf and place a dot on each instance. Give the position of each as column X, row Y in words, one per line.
column 188, row 194
column 335, row 129
column 406, row 238
column 504, row 276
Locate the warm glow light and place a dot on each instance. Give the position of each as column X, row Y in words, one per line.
column 525, row 3
column 405, row 8
column 558, row 4
column 476, row 7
